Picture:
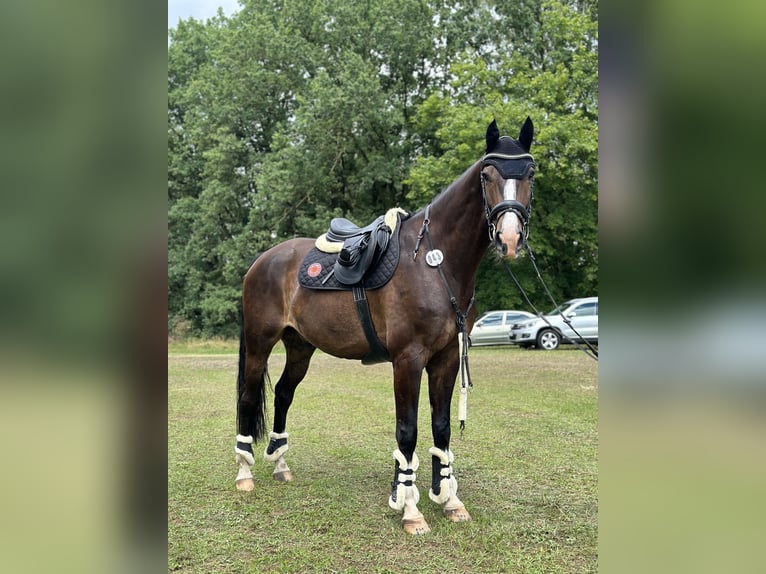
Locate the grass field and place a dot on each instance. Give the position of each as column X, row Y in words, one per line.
column 526, row 469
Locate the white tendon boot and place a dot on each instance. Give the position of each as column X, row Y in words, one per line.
column 245, row 460
column 454, row 509
column 281, row 472
column 405, row 495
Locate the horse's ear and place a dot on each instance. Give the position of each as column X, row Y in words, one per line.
column 493, row 135
column 526, row 134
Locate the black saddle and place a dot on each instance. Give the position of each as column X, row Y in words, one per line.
column 342, row 229
column 362, row 247
column 368, row 257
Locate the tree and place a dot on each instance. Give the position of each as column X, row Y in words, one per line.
column 553, row 80
column 295, row 111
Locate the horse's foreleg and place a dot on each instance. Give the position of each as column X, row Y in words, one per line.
column 404, row 494
column 444, row 485
column 441, row 383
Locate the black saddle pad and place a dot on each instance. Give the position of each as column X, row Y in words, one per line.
column 314, row 270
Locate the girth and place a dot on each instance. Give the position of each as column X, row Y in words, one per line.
column 378, row 352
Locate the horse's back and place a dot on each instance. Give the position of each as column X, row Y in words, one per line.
column 279, row 263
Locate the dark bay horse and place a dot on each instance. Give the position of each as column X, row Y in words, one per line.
column 417, row 316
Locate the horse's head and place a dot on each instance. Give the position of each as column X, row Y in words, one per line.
column 506, row 180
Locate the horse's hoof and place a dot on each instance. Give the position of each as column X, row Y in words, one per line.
column 416, row 526
column 283, row 476
column 459, row 514
column 245, row 485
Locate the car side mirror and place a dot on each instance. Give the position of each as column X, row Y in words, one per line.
column 572, row 314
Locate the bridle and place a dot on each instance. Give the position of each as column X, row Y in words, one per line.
column 510, row 167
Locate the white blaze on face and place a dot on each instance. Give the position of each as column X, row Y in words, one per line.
column 510, row 226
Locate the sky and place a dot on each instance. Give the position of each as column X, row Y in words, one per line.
column 198, row 9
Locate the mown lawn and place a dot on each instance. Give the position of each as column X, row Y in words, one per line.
column 526, row 468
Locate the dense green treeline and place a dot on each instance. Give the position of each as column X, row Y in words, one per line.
column 292, row 112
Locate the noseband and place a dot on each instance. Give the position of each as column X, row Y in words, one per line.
column 510, row 167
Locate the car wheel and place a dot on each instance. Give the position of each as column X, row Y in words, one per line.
column 548, row 339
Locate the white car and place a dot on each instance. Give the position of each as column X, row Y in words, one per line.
column 581, row 313
column 492, row 327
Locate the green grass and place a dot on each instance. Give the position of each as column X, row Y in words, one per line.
column 217, row 346
column 202, row 346
column 526, row 468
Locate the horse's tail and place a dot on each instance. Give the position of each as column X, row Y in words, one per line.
column 255, row 420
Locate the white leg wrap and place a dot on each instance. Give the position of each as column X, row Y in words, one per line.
column 405, row 495
column 243, row 456
column 448, row 483
column 277, row 454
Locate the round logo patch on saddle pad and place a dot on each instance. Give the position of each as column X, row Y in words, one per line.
column 314, row 269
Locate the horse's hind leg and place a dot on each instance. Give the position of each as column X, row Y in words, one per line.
column 299, row 353
column 251, row 399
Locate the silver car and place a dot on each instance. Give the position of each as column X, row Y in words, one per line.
column 492, row 327
column 582, row 314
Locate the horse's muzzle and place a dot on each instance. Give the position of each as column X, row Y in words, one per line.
column 510, row 237
column 501, row 247
column 512, row 218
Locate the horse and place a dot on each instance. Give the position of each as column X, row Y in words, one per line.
column 417, row 315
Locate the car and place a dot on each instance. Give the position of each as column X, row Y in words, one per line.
column 582, row 314
column 492, row 327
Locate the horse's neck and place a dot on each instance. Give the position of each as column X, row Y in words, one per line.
column 459, row 229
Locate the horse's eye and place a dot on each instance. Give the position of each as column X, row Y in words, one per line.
column 485, row 176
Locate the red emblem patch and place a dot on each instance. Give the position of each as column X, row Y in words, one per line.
column 314, row 269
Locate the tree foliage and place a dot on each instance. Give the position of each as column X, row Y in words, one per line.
column 295, row 111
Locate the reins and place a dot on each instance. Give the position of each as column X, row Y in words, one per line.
column 591, row 352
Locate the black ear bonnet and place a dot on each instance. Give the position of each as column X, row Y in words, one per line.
column 510, row 159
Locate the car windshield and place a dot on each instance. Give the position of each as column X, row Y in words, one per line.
column 559, row 309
